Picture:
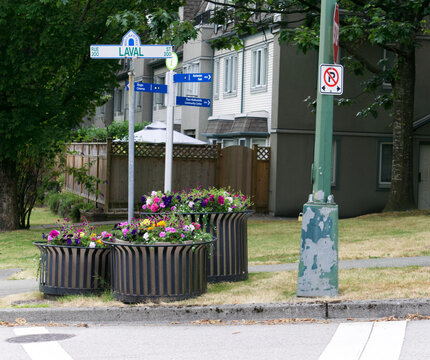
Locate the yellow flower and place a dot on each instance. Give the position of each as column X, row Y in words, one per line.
column 93, row 235
column 150, row 228
column 146, row 222
column 99, row 241
column 82, row 234
column 161, row 223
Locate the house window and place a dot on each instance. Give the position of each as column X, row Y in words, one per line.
column 228, row 142
column 334, row 161
column 213, row 141
column 389, row 59
column 190, row 132
column 385, row 163
column 216, row 79
column 242, row 142
column 230, row 75
column 138, row 100
column 258, row 141
column 179, row 86
column 159, row 98
column 118, row 100
column 191, row 88
column 259, row 68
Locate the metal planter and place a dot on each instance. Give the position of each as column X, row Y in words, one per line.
column 70, row 270
column 228, row 260
column 159, row 272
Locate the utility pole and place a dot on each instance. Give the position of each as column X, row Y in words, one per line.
column 131, row 141
column 318, row 266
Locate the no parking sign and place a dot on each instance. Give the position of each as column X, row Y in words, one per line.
column 331, row 79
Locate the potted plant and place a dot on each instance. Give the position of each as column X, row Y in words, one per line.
column 159, row 258
column 223, row 214
column 73, row 260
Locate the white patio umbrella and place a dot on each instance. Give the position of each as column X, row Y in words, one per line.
column 156, row 133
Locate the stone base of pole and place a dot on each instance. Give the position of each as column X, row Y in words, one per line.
column 318, row 267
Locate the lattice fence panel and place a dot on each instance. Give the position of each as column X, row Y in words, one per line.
column 263, row 154
column 158, row 150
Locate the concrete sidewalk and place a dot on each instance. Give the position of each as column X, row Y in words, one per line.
column 330, row 309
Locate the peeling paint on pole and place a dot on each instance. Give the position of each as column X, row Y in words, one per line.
column 318, row 267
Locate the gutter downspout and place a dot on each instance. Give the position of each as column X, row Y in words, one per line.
column 211, row 95
column 243, row 78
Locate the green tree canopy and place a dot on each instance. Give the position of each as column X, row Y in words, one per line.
column 48, row 82
column 394, row 25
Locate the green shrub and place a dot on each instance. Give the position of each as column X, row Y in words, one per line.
column 117, row 130
column 68, row 205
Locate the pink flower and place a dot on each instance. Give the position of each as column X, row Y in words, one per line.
column 156, row 200
column 220, row 200
column 182, row 235
column 54, row 233
column 144, row 207
column 125, row 223
column 196, row 225
column 106, row 234
column 162, row 234
column 154, row 207
column 124, row 231
column 162, row 205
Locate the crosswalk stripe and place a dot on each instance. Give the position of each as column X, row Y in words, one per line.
column 48, row 350
column 366, row 341
column 348, row 341
column 386, row 341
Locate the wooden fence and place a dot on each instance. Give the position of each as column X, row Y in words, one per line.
column 240, row 168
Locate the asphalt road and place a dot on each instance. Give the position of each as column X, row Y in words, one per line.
column 394, row 340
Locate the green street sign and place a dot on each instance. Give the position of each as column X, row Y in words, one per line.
column 172, row 62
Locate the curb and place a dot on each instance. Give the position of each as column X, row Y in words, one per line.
column 246, row 312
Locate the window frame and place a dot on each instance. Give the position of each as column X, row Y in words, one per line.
column 230, row 75
column 259, row 68
column 384, row 184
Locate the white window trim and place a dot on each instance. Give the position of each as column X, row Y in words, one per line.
column 259, row 78
column 253, row 140
column 241, row 139
column 191, row 88
column 230, row 75
column 216, row 77
column 381, row 183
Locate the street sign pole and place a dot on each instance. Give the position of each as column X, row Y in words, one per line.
column 169, row 132
column 318, row 266
column 131, row 142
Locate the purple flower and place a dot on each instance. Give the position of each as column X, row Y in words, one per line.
column 69, row 241
column 143, row 199
column 77, row 241
column 134, row 232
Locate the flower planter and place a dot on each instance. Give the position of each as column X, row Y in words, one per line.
column 68, row 270
column 228, row 260
column 159, row 272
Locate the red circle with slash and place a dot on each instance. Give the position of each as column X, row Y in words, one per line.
column 328, row 77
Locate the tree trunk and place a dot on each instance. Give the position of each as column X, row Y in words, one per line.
column 401, row 193
column 9, row 217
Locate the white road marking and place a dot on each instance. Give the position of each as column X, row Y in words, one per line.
column 48, row 350
column 348, row 341
column 366, row 341
column 386, row 341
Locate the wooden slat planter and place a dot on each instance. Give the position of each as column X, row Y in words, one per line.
column 228, row 260
column 68, row 270
column 159, row 272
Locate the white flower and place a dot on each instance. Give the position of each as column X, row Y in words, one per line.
column 230, row 199
column 192, row 227
column 146, row 236
column 148, row 202
column 92, row 244
column 191, row 204
column 230, row 209
column 154, row 193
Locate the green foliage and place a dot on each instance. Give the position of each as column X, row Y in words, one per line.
column 48, row 82
column 117, row 130
column 68, row 205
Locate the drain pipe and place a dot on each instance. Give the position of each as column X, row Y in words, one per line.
column 243, row 77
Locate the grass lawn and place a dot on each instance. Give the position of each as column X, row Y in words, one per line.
column 278, row 241
column 370, row 236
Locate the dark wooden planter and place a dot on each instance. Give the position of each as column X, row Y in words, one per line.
column 69, row 270
column 228, row 260
column 159, row 272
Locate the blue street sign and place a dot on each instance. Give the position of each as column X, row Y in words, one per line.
column 198, row 77
column 192, row 101
column 148, row 87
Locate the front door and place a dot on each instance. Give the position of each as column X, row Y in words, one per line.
column 424, row 178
